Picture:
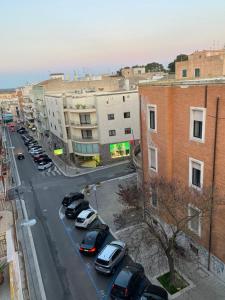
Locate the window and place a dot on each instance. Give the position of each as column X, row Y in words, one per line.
column 53, row 114
column 154, row 199
column 184, row 73
column 55, row 127
column 123, row 98
column 194, row 223
column 126, row 115
column 197, row 72
column 197, row 124
column 195, row 173
column 127, row 130
column 51, row 124
column 85, row 119
column 152, row 156
column 111, row 117
column 86, row 134
column 152, row 117
column 112, row 132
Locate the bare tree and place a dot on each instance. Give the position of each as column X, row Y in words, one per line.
column 175, row 207
column 171, row 209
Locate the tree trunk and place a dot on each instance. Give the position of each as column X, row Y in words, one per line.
column 1, row 278
column 171, row 267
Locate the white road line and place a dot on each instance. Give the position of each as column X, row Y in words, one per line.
column 53, row 173
column 40, row 282
column 57, row 171
column 61, row 213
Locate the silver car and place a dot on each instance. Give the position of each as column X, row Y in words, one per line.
column 110, row 256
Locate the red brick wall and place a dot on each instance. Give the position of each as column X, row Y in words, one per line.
column 175, row 147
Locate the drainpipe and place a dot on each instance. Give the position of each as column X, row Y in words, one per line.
column 213, row 183
column 142, row 154
column 206, row 96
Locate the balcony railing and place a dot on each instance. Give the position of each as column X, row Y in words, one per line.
column 83, row 125
column 80, row 108
column 84, row 139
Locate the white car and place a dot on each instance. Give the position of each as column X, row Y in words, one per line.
column 43, row 165
column 35, row 149
column 85, row 218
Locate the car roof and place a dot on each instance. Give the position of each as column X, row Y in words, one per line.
column 85, row 213
column 76, row 203
column 107, row 252
column 124, row 277
column 90, row 236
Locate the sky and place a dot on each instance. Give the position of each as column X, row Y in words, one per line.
column 101, row 36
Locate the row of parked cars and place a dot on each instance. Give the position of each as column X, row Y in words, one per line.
column 42, row 159
column 131, row 282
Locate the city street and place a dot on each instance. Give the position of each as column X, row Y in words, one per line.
column 66, row 274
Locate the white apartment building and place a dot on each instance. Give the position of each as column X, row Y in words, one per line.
column 94, row 128
column 28, row 106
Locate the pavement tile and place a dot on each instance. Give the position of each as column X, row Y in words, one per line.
column 144, row 249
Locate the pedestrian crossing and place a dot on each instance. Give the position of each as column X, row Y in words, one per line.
column 53, row 171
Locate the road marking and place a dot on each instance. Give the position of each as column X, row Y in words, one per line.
column 61, row 213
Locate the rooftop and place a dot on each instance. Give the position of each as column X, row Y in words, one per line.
column 173, row 82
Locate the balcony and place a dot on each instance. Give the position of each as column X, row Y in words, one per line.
column 83, row 125
column 88, row 140
column 80, row 108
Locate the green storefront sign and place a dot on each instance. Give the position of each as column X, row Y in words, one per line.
column 119, row 149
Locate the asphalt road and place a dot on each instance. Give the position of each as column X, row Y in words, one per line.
column 65, row 272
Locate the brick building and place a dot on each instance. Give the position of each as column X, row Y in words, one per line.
column 202, row 64
column 180, row 123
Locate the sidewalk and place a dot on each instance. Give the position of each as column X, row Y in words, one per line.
column 72, row 170
column 142, row 248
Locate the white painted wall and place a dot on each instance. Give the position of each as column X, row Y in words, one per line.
column 113, row 104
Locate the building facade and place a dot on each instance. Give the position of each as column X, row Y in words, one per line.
column 202, row 64
column 94, row 128
column 183, row 138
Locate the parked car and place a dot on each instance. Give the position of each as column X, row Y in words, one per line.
column 21, row 129
column 73, row 210
column 44, row 165
column 29, row 141
column 154, row 292
column 44, row 159
column 86, row 218
column 40, row 157
column 34, row 147
column 37, row 151
column 110, row 256
column 20, row 156
column 127, row 283
column 71, row 197
column 94, row 239
column 26, row 137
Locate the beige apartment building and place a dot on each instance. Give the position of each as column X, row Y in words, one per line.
column 94, row 128
column 202, row 64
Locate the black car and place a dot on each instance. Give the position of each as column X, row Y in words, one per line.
column 20, row 156
column 94, row 239
column 128, row 282
column 71, row 197
column 73, row 210
column 21, row 129
column 154, row 292
column 40, row 157
column 29, row 141
column 44, row 160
